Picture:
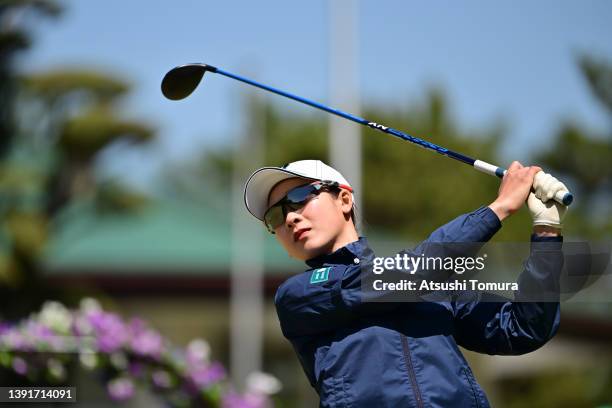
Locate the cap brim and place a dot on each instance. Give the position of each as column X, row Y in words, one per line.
column 258, row 187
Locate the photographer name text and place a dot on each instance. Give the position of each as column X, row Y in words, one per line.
column 427, row 286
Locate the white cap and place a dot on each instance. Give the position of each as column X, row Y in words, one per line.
column 261, row 182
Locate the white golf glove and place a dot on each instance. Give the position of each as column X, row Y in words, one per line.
column 544, row 210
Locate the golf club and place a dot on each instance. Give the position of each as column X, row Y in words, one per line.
column 181, row 81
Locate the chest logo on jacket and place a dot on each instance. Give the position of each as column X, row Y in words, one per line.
column 320, row 275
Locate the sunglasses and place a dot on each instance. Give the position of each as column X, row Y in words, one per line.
column 296, row 199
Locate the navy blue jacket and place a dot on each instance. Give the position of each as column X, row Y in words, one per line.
column 405, row 354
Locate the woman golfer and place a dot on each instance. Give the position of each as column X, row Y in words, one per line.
column 365, row 354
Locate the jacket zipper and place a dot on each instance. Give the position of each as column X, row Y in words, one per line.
column 468, row 376
column 411, row 375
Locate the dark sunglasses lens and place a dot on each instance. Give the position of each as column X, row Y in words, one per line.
column 274, row 217
column 293, row 201
column 300, row 194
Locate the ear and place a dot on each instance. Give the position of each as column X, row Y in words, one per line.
column 346, row 201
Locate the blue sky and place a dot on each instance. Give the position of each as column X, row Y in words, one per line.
column 513, row 61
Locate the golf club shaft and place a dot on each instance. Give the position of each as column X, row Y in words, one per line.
column 562, row 197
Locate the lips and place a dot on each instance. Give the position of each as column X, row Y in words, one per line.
column 298, row 234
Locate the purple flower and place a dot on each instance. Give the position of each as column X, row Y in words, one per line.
column 204, row 375
column 41, row 335
column 120, row 389
column 147, row 343
column 109, row 330
column 14, row 340
column 249, row 400
column 20, row 366
column 81, row 326
column 38, row 330
column 107, row 343
column 136, row 369
column 137, row 325
column 103, row 333
column 161, row 379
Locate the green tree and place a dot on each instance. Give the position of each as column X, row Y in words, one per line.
column 15, row 38
column 412, row 191
column 59, row 122
column 583, row 157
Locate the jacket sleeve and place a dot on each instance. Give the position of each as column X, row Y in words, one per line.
column 477, row 226
column 496, row 325
column 462, row 237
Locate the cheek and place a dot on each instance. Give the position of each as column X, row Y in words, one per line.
column 323, row 214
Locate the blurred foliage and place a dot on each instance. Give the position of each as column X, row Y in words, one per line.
column 598, row 74
column 53, row 126
column 53, row 86
column 28, row 231
column 584, row 157
column 115, row 198
column 15, row 37
column 122, row 354
column 573, row 388
column 411, row 191
column 84, row 136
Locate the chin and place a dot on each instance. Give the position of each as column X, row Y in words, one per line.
column 312, row 248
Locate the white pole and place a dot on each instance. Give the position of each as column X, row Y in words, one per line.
column 247, row 298
column 345, row 137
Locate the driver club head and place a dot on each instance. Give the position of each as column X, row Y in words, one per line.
column 181, row 81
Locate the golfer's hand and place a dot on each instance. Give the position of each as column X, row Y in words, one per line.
column 544, row 210
column 514, row 189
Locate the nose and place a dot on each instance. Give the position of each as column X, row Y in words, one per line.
column 292, row 218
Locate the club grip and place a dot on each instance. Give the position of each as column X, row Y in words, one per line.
column 564, row 197
column 542, row 181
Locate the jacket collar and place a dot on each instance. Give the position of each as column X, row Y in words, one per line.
column 344, row 255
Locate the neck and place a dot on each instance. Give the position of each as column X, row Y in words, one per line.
column 348, row 235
